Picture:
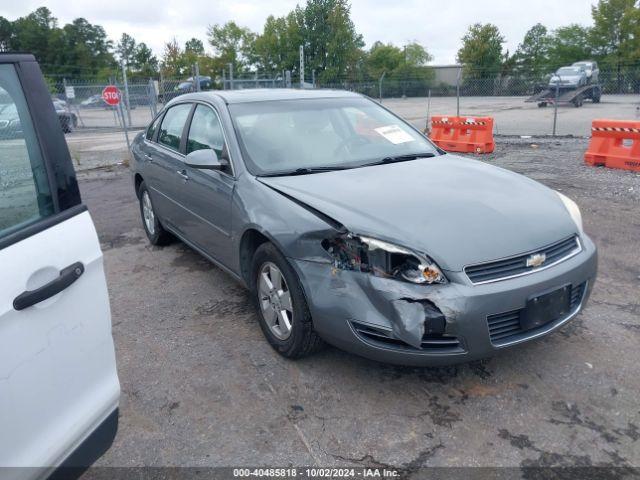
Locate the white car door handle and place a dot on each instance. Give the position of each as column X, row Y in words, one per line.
column 183, row 174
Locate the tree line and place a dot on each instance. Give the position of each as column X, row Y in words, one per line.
column 333, row 49
column 613, row 40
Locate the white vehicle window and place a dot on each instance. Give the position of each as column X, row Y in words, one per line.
column 25, row 196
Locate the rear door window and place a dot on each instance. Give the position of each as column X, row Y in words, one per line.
column 173, row 125
column 25, row 194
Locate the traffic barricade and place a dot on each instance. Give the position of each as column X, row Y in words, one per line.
column 463, row 134
column 614, row 144
column 442, row 131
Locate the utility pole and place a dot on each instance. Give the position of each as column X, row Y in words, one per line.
column 126, row 91
column 301, row 66
column 555, row 104
column 197, row 76
column 230, row 76
column 458, row 91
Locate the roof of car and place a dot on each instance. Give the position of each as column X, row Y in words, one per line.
column 268, row 94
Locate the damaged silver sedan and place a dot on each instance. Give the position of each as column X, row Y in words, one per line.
column 350, row 227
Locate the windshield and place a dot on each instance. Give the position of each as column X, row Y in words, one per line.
column 569, row 71
column 288, row 135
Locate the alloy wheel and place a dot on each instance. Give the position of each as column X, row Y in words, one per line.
column 147, row 213
column 275, row 300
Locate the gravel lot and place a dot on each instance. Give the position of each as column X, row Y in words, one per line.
column 201, row 387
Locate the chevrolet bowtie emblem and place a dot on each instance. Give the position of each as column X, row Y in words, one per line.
column 536, row 259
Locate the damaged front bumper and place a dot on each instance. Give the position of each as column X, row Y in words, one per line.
column 427, row 325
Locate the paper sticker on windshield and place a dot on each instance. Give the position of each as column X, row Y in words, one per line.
column 394, row 134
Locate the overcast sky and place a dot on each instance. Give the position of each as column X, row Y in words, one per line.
column 437, row 24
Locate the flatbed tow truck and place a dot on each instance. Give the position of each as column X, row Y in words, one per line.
column 575, row 96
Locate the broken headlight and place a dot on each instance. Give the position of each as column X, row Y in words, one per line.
column 383, row 259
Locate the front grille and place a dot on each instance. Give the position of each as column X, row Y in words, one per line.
column 515, row 266
column 504, row 327
column 430, row 343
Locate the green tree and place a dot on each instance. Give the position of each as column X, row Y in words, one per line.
column 331, row 44
column 84, row 48
column 481, row 51
column 33, row 33
column 406, row 62
column 276, row 48
column 194, row 45
column 173, row 64
column 569, row 44
column 126, row 49
column 383, row 58
column 615, row 33
column 415, row 55
column 630, row 47
column 532, row 55
column 194, row 53
column 608, row 33
column 144, row 61
column 6, row 32
column 232, row 44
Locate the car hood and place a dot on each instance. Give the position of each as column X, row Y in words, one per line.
column 456, row 210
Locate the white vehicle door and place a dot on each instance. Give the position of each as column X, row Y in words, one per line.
column 59, row 388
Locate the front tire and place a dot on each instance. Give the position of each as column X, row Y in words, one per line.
column 283, row 312
column 156, row 234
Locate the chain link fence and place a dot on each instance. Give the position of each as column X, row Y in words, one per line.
column 82, row 98
column 611, row 81
column 142, row 98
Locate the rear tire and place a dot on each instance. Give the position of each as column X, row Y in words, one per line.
column 156, row 234
column 300, row 339
column 67, row 125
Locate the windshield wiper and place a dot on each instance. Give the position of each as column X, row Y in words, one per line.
column 303, row 171
column 400, row 158
column 409, row 156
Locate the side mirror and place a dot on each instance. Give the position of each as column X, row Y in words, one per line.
column 206, row 159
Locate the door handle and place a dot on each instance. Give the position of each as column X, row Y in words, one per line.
column 183, row 174
column 148, row 157
column 67, row 277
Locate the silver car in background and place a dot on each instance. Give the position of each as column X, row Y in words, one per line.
column 349, row 226
column 569, row 77
column 591, row 70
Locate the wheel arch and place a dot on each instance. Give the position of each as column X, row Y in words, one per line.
column 251, row 239
column 137, row 181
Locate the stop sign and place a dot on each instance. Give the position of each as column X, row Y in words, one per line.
column 111, row 95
